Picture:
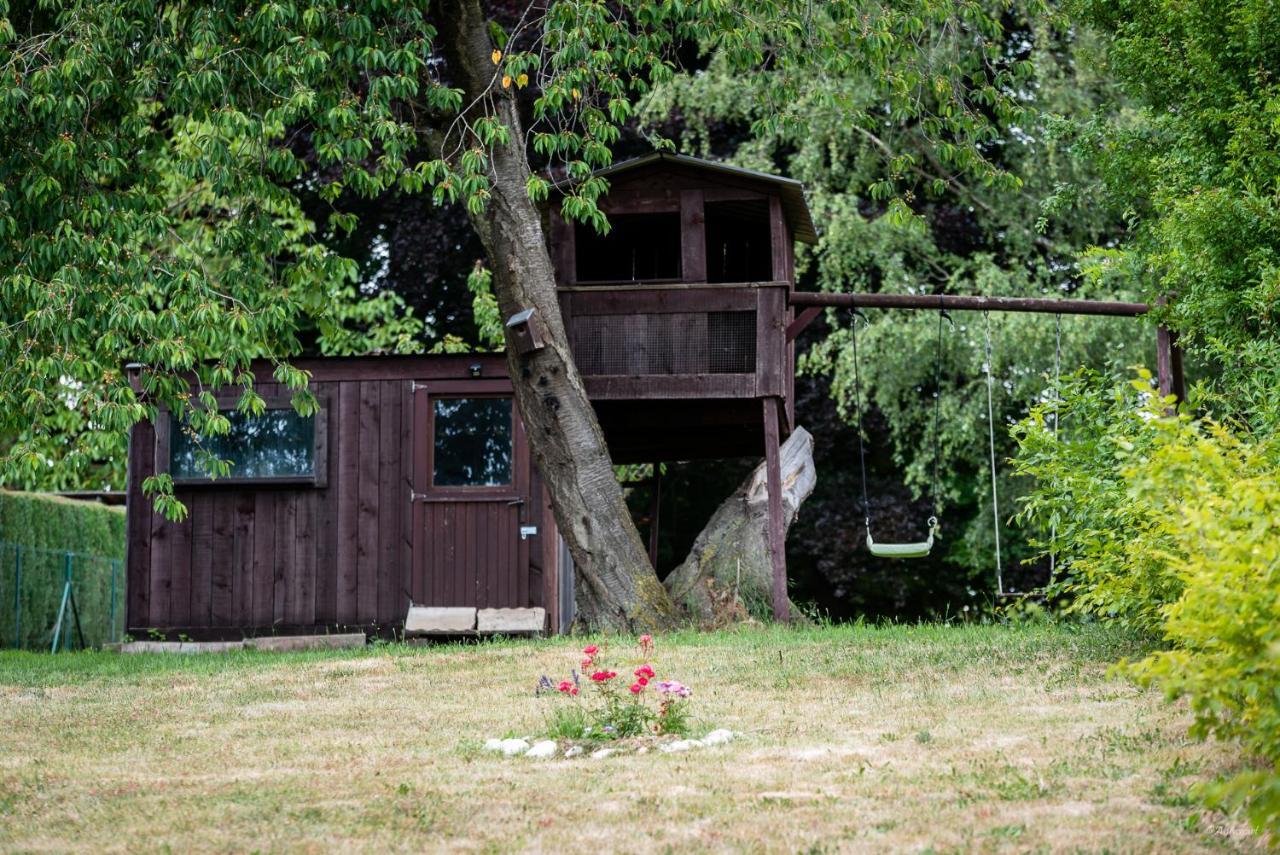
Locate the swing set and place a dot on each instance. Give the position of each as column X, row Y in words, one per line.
column 1168, row 361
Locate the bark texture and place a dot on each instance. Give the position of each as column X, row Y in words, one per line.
column 617, row 589
column 732, row 552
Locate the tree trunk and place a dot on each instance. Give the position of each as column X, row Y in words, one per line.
column 617, row 588
column 729, row 563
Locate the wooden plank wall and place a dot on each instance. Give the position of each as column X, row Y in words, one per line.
column 280, row 559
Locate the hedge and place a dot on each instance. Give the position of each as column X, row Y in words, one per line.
column 37, row 534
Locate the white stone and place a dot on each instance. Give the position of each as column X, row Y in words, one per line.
column 679, row 745
column 601, row 753
column 511, row 620
column 436, row 619
column 717, row 737
column 512, row 747
column 543, row 749
column 493, row 745
column 574, row 751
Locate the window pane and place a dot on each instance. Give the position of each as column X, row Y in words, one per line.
column 472, row 442
column 277, row 444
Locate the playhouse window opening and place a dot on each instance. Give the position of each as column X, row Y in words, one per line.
column 280, row 443
column 472, row 445
column 739, row 241
column 638, row 248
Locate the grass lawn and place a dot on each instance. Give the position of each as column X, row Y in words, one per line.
column 926, row 738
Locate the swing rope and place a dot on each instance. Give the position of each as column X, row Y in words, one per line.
column 1057, row 417
column 991, row 444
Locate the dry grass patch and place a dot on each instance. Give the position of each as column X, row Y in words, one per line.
column 855, row 739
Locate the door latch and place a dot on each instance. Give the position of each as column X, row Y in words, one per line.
column 528, row 531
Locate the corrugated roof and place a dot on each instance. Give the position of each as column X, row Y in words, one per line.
column 791, row 191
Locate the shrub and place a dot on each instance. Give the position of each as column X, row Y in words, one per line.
column 1173, row 524
column 597, row 706
column 1110, row 549
column 46, row 528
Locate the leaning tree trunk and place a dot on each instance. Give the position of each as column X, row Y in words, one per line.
column 617, row 589
column 729, row 564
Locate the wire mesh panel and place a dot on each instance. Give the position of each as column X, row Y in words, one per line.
column 33, row 583
column 666, row 343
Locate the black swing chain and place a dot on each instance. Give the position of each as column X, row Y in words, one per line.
column 937, row 416
column 857, row 409
column 937, row 419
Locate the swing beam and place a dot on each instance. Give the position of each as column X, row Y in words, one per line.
column 1168, row 354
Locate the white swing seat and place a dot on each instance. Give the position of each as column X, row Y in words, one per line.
column 920, row 549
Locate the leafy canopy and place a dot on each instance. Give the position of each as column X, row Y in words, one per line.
column 148, row 151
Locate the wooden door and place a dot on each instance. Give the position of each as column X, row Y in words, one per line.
column 471, row 496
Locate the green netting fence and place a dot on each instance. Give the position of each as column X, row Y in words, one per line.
column 57, row 600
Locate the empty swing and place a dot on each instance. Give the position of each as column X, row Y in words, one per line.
column 919, row 549
column 988, row 369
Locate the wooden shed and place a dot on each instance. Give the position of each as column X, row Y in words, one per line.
column 413, row 484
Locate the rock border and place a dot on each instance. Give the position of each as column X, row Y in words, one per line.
column 545, row 749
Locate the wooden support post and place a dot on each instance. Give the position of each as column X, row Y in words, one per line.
column 655, row 509
column 777, row 530
column 1169, row 364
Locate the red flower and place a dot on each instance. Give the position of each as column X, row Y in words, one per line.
column 603, row 676
column 642, row 681
column 637, row 688
column 565, row 686
column 574, row 690
column 591, row 651
column 644, row 671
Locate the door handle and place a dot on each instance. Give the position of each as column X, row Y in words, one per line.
column 514, row 502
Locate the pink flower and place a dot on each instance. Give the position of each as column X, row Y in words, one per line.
column 643, row 681
column 603, row 676
column 646, row 643
column 636, row 688
column 586, row 663
column 574, row 690
column 565, row 686
column 644, row 671
column 591, row 651
column 672, row 687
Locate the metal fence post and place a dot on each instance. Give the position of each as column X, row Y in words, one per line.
column 62, row 609
column 17, row 597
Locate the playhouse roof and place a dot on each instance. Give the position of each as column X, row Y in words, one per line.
column 791, row 191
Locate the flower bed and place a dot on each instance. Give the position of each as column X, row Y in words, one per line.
column 598, row 714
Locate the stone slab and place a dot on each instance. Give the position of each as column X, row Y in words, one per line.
column 179, row 646
column 437, row 619
column 511, row 620
column 283, row 643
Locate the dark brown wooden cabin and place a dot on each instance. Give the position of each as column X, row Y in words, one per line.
column 413, row 484
column 677, row 317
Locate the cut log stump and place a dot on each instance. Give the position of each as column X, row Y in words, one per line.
column 730, row 561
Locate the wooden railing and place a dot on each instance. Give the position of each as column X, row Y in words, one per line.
column 679, row 340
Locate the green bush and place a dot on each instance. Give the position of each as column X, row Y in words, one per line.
column 1173, row 524
column 37, row 532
